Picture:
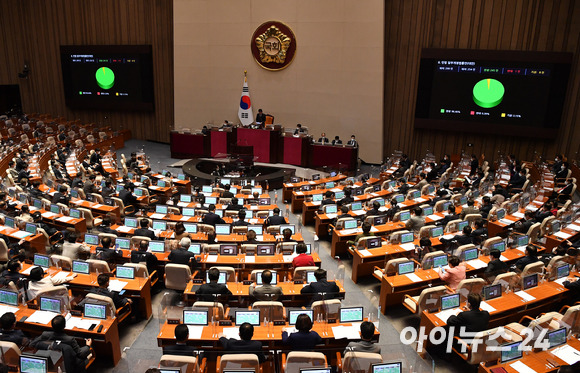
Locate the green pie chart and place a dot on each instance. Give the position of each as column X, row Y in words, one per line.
column 488, row 93
column 105, row 77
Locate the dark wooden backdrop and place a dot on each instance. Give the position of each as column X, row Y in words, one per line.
column 526, row 25
column 34, row 30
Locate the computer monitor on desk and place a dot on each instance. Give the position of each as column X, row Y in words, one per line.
column 510, row 351
column 405, row 267
column 492, row 291
column 395, row 367
column 530, row 281
column 33, row 364
column 223, row 229
column 440, row 261
column 227, row 249
column 9, row 297
column 123, row 243
column 195, row 317
column 125, row 272
column 450, row 301
column 265, row 249
column 374, row 242
column 41, row 260
column 251, row 317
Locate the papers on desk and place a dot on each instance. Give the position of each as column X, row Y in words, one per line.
column 413, row 277
column 567, row 353
column 574, row 227
column 331, row 216
column 182, row 204
column 254, row 221
column 211, row 258
column 97, row 206
column 383, row 209
column 42, row 317
column 21, row 234
column 316, row 203
column 250, row 259
column 445, row 315
column 420, row 199
column 289, row 185
column 407, row 246
column 562, row 235
column 231, row 333
column 157, row 216
column 447, row 236
column 505, row 177
column 4, row 309
column 486, row 307
column 477, row 263
column 117, row 285
column 521, row 367
column 434, row 217
column 254, row 207
column 365, row 252
column 350, row 231
column 195, row 331
column 79, row 322
column 525, row 296
column 65, row 219
column 288, row 258
column 521, row 248
column 124, row 229
column 359, row 212
column 531, row 207
column 184, row 218
column 60, row 276
column 290, row 330
column 506, row 221
column 299, row 193
column 48, row 215
column 374, row 229
column 336, row 190
column 519, row 215
column 348, row 332
column 561, row 280
column 503, row 258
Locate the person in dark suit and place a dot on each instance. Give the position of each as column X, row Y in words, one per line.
column 234, row 205
column 211, row 217
column 563, row 193
column 180, row 347
column 390, row 214
column 181, row 255
column 337, row 141
column 8, row 333
column 251, row 238
column 451, row 215
column 462, row 239
column 543, row 213
column 327, row 198
column 323, row 139
column 61, row 196
column 343, row 214
column 352, row 142
column 275, row 219
column 89, row 186
column 142, row 255
column 108, row 189
column 495, row 265
column 404, row 164
column 375, row 210
column 105, row 226
column 303, row 340
column 226, row 193
column 241, row 222
column 103, row 282
column 563, row 172
column 473, row 320
column 266, row 291
column 58, row 335
column 517, row 180
column 299, row 130
column 473, row 165
column 126, row 195
column 531, row 257
column 347, row 199
column 485, row 207
column 244, row 344
column 11, row 273
column 367, row 332
column 524, row 226
column 321, row 288
column 571, row 284
column 144, row 231
column 209, row 291
column 106, row 253
column 260, row 117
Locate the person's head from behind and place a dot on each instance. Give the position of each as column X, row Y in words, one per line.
column 179, row 228
column 58, row 323
column 266, row 277
column 234, row 201
column 251, row 235
column 36, row 274
column 13, row 265
column 367, row 330
column 301, row 248
column 287, row 233
column 276, row 211
column 451, row 209
column 366, row 227
column 303, row 323
column 344, row 210
column 454, row 261
column 467, row 230
column 72, row 237
column 8, row 321
column 474, row 300
column 144, row 223
column 376, row 205
column 418, row 211
column 246, row 331
column 106, row 242
column 62, row 189
column 425, row 242
column 529, row 215
column 211, row 208
column 320, row 274
column 531, row 251
column 143, row 245
column 495, row 253
column 103, row 280
column 213, row 274
column 241, row 215
column 486, row 200
column 181, row 333
column 185, row 242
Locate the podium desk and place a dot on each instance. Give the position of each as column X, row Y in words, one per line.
column 189, row 145
column 220, row 141
column 333, row 156
column 295, row 150
column 263, row 141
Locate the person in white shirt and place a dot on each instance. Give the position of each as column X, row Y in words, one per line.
column 38, row 282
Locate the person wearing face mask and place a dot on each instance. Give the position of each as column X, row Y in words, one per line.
column 352, row 142
column 557, row 163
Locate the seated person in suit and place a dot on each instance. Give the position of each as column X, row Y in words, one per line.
column 103, row 282
column 393, row 210
column 275, row 219
column 470, row 209
column 562, row 193
column 37, row 281
column 544, row 212
column 321, row 288
column 105, row 226
column 524, row 226
column 58, row 335
column 473, row 319
column 366, row 232
column 417, row 221
column 251, row 237
column 462, row 239
column 142, row 255
column 8, row 333
column 518, row 179
column 375, row 210
column 234, row 205
column 211, row 217
column 347, row 199
column 106, row 253
column 266, row 291
column 336, row 141
column 531, row 257
column 11, row 273
column 260, row 117
column 485, row 207
column 323, row 139
column 244, row 344
column 454, row 274
column 209, row 291
column 144, row 231
column 226, row 193
column 287, row 235
column 343, row 215
column 299, row 130
column 72, row 249
column 327, row 198
column 180, row 347
column 302, row 259
column 61, row 196
column 127, row 196
column 367, row 331
column 352, row 142
column 180, row 231
column 182, row 255
column 241, row 222
column 451, row 215
column 495, row 266
column 571, row 284
column 304, row 339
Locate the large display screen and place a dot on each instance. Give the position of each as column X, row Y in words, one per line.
column 118, row 77
column 503, row 92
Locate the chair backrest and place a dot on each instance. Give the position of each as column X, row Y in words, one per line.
column 489, row 242
column 452, row 225
column 359, row 362
column 96, row 265
column 286, row 248
column 545, row 225
column 470, row 285
column 424, row 230
column 507, row 280
column 273, row 229
column 439, row 205
column 206, row 228
column 362, row 241
column 463, row 248
column 10, row 353
column 395, row 238
column 552, row 267
column 270, row 310
column 300, row 272
column 430, row 298
column 177, row 276
column 532, row 268
column 427, row 262
column 471, row 218
column 249, row 249
column 102, row 299
column 391, row 266
column 140, row 269
column 136, row 240
column 239, row 361
column 326, row 309
column 3, row 251
column 302, row 359
column 571, row 319
column 169, row 361
column 534, row 232
column 215, row 308
column 488, row 338
column 57, row 291
column 230, row 272
column 211, row 249
column 61, row 261
column 240, row 229
column 88, row 215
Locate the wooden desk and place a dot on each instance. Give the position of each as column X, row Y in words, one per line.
column 340, row 238
column 37, row 241
column 287, row 188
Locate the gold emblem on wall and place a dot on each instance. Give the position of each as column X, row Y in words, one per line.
column 273, row 45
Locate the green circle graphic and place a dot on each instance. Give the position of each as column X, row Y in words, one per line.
column 105, row 77
column 488, row 93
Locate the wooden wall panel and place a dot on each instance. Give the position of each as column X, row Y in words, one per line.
column 527, row 25
column 33, row 31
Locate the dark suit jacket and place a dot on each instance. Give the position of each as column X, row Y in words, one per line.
column 206, row 291
column 179, row 349
column 108, row 255
column 330, row 289
column 118, row 300
column 240, row 223
column 181, row 256
column 58, row 197
column 275, row 220
column 14, row 335
column 301, row 341
column 496, row 267
column 145, row 233
column 241, row 346
column 127, row 197
column 227, row 194
column 212, row 219
column 574, row 287
column 523, row 262
column 474, row 321
column 144, row 256
column 63, row 338
column 323, row 139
